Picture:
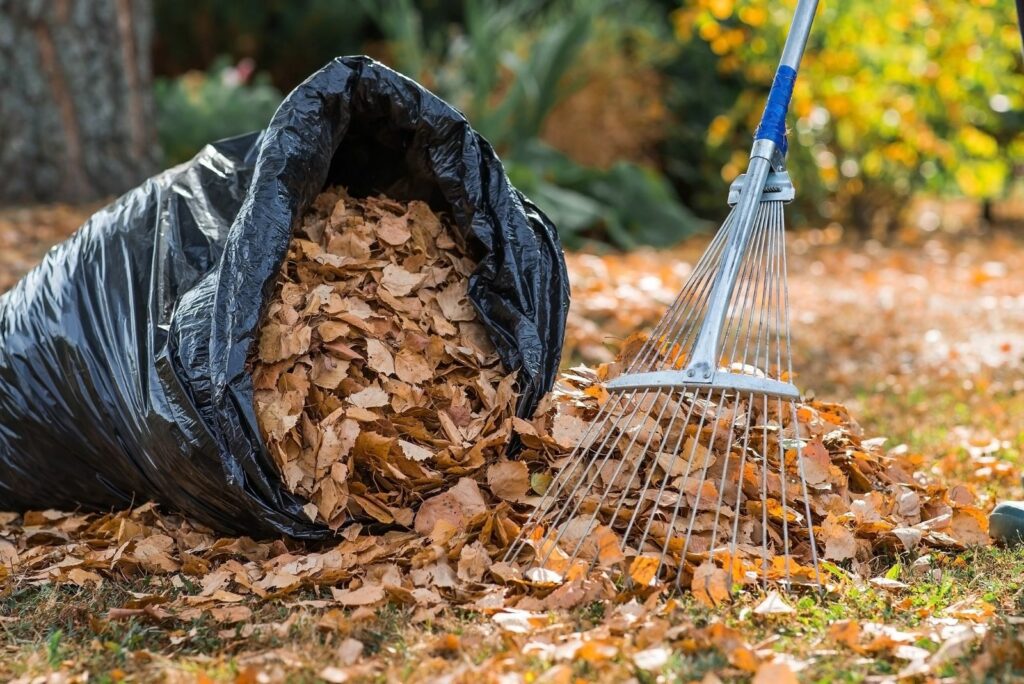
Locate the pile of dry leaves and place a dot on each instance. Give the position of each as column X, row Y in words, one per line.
column 878, row 500
column 192, row 574
column 722, row 506
column 375, row 383
column 383, row 401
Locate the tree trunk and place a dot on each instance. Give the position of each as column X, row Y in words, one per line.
column 76, row 105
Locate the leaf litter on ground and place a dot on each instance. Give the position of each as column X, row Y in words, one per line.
column 880, row 501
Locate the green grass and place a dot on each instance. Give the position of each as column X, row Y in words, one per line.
column 52, row 626
column 48, row 626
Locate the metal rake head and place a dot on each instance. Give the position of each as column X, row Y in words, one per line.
column 696, row 483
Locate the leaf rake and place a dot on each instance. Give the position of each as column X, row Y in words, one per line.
column 693, row 470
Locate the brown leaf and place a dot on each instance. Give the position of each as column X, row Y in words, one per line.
column 642, row 570
column 568, row 430
column 370, row 397
column 412, row 367
column 840, row 544
column 398, row 281
column 379, row 358
column 775, row 673
column 846, row 632
column 969, row 526
column 467, row 493
column 609, row 551
column 278, row 412
column 328, row 372
column 441, row 509
column 364, row 596
column 473, row 562
column 415, row 452
column 279, row 342
column 815, row 462
column 393, row 230
column 710, row 584
column 83, row 577
column 454, row 302
column 154, row 554
column 231, row 614
column 509, row 480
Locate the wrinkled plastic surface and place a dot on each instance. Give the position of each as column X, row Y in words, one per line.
column 123, row 354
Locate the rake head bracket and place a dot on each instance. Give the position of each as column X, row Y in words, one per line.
column 682, row 379
column 778, row 188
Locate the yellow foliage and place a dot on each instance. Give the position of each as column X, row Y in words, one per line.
column 753, row 16
column 720, row 9
column 978, row 143
column 710, row 30
column 718, row 129
column 888, row 84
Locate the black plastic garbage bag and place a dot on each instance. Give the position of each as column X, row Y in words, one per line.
column 123, row 355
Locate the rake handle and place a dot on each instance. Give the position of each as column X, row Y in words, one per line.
column 773, row 120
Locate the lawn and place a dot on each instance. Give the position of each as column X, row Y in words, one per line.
column 921, row 340
column 953, row 619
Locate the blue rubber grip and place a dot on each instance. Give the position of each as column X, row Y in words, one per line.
column 773, row 121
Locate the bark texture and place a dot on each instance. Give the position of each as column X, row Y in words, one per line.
column 76, row 103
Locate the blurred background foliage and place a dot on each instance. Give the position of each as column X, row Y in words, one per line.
column 202, row 106
column 895, row 97
column 625, row 120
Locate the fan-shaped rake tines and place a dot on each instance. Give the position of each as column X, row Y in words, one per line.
column 694, row 480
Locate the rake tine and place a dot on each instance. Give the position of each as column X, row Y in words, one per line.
column 661, row 491
column 651, row 470
column 700, row 490
column 698, row 282
column 739, row 297
column 650, row 475
column 764, row 491
column 761, row 325
column 796, row 422
column 591, row 478
column 682, row 495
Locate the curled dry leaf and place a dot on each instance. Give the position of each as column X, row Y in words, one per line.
column 774, row 604
column 454, row 507
column 363, row 596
